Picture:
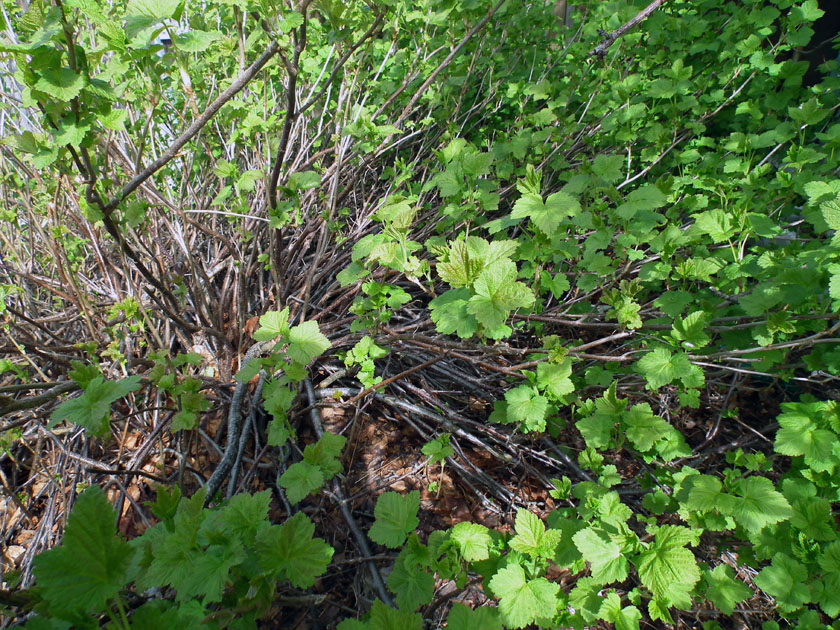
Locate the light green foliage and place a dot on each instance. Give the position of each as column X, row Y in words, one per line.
column 462, row 618
column 92, row 410
column 523, row 601
column 724, row 590
column 396, row 517
column 667, row 568
column 91, row 565
column 321, row 462
column 678, row 197
column 532, row 538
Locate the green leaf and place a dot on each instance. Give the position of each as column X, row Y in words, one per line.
column 300, row 480
column 62, row 84
column 705, row 493
column 272, row 325
column 525, row 405
column 438, row 449
column 798, row 435
column 605, row 557
column 785, row 580
column 91, row 564
column 644, row 428
column 290, row 551
column 463, row 618
column 660, row 367
column 92, row 410
column 758, row 504
column 554, row 378
column 195, row 41
column 472, row 540
column 157, row 9
column 291, row 20
column 690, row 330
column 532, row 538
column 626, row 618
column 449, row 313
column 306, row 342
column 412, row 585
column 644, row 198
column 326, row 454
column 724, row 591
column 497, row 294
column 522, row 601
column 667, row 568
column 396, row 517
column 546, row 216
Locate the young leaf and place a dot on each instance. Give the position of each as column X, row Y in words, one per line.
column 667, row 568
column 300, row 480
column 383, row 617
column 531, row 536
column 463, row 618
column 497, row 293
column 626, row 618
column 644, row 428
column 396, row 517
column 473, row 541
column 525, row 405
column 412, row 585
column 758, row 504
column 605, row 556
column 92, row 410
column 326, row 454
column 523, row 601
column 785, row 580
column 438, row 449
column 91, row 564
column 724, row 591
column 306, row 342
column 290, row 551
column 273, row 324
column 554, row 378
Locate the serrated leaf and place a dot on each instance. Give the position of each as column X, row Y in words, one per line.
column 605, row 557
column 62, row 84
column 554, row 378
column 531, row 536
column 306, row 342
column 463, row 618
column 326, row 454
column 690, row 330
column 497, row 293
column 195, row 41
column 660, row 367
column 449, row 313
column 667, row 568
column 473, row 541
column 785, row 580
column 91, row 564
column 724, row 591
column 92, row 410
column 412, row 585
column 157, row 9
column 523, row 601
column 525, row 405
column 626, row 618
column 291, row 20
column 758, row 504
column 546, row 215
column 644, row 428
column 396, row 517
column 290, row 551
column 273, row 324
column 799, row 435
column 300, row 480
